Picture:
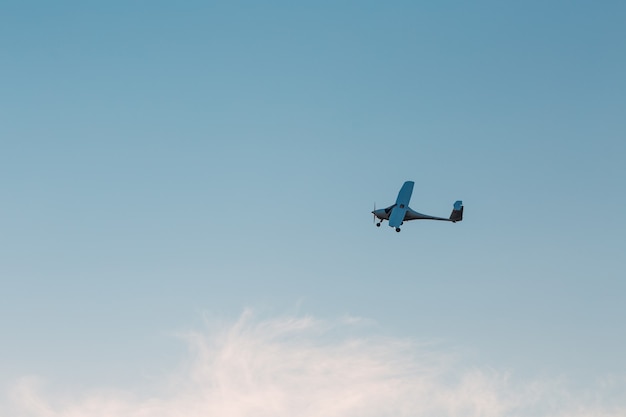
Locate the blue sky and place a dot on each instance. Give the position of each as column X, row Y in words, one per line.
column 163, row 163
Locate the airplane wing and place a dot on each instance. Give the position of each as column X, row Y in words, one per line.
column 397, row 216
column 398, row 212
column 404, row 196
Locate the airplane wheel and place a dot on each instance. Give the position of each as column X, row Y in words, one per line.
column 397, row 229
column 377, row 224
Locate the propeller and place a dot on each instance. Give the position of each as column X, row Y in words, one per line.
column 374, row 212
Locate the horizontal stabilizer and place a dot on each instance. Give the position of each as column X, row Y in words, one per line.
column 457, row 212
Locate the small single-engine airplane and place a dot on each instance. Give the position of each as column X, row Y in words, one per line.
column 401, row 212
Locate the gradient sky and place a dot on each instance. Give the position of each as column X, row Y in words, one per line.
column 161, row 163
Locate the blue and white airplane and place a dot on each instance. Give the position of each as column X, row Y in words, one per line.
column 401, row 212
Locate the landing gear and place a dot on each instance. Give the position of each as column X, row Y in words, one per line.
column 398, row 229
column 378, row 224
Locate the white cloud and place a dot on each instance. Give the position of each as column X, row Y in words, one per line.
column 301, row 366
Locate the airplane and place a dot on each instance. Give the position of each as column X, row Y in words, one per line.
column 400, row 212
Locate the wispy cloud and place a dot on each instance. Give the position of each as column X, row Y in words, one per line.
column 302, row 366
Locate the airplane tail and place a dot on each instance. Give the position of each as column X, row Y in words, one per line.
column 457, row 212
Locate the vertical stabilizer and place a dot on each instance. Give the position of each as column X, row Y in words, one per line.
column 457, row 212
